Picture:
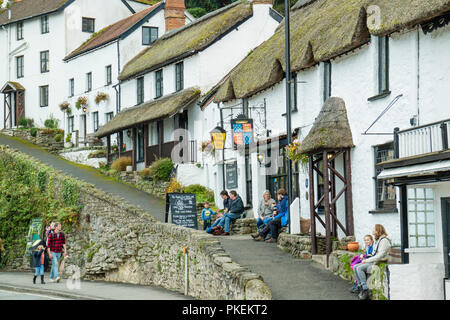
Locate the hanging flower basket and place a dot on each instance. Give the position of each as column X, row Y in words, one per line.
column 82, row 101
column 64, row 106
column 207, row 148
column 101, row 96
column 292, row 152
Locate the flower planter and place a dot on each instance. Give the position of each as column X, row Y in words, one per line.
column 353, row 246
column 68, row 145
column 305, row 225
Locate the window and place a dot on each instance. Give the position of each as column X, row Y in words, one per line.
column 43, row 96
column 70, row 124
column 294, row 92
column 384, row 192
column 109, row 116
column 19, row 67
column 326, row 80
column 88, row 81
column 71, row 87
column 108, row 75
column 159, row 83
column 179, row 76
column 44, row 25
column 88, row 25
column 140, row 90
column 149, row 35
column 421, row 227
column 45, row 65
column 19, row 30
column 95, row 118
column 383, row 64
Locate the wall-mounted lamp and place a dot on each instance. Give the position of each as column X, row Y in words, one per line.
column 84, row 109
column 260, row 158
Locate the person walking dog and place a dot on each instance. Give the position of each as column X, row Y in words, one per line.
column 56, row 245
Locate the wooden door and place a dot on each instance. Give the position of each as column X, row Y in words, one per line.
column 20, row 106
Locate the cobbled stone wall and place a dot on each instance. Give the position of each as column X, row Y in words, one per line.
column 121, row 243
column 45, row 140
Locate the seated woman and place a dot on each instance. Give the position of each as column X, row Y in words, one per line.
column 265, row 210
column 368, row 241
column 280, row 219
column 380, row 254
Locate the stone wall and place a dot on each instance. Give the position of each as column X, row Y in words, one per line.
column 117, row 242
column 300, row 245
column 45, row 140
column 81, row 156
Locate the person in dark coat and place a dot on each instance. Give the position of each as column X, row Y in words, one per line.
column 217, row 228
column 39, row 263
column 235, row 212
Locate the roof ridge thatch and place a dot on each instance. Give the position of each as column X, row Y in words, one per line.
column 187, row 41
column 322, row 30
column 153, row 110
column 330, row 131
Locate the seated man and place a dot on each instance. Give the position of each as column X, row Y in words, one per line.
column 236, row 210
column 226, row 207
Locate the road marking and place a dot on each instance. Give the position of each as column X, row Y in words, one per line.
column 31, row 294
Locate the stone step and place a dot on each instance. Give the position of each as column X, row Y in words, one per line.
column 320, row 258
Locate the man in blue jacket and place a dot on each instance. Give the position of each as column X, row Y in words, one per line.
column 280, row 219
column 236, row 209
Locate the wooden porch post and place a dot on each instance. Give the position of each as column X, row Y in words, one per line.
column 348, row 194
column 326, row 193
column 312, row 205
column 145, row 144
column 133, row 153
column 334, row 232
column 120, row 142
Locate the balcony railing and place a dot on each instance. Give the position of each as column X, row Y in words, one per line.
column 423, row 139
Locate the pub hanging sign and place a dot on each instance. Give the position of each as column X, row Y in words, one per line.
column 242, row 131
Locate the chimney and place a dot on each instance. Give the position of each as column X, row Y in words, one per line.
column 174, row 14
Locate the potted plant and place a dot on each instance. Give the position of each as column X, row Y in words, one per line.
column 101, row 96
column 68, row 143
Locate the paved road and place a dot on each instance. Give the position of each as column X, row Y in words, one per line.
column 288, row 278
column 155, row 206
column 96, row 290
column 13, row 295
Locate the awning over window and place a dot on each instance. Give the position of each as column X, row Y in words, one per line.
column 417, row 170
column 153, row 110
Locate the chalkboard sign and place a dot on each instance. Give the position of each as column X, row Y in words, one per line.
column 231, row 174
column 183, row 209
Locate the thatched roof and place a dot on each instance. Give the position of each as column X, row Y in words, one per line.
column 150, row 111
column 187, row 40
column 115, row 30
column 11, row 86
column 321, row 30
column 330, row 131
column 27, row 9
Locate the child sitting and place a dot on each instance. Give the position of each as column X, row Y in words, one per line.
column 39, row 262
column 368, row 241
column 207, row 214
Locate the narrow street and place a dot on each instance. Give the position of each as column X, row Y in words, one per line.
column 288, row 278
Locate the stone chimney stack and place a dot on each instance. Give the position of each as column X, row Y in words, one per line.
column 174, row 14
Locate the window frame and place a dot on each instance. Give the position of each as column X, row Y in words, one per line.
column 179, row 76
column 140, row 90
column 159, row 83
column 45, row 61
column 108, row 71
column 84, row 25
column 109, row 116
column 46, row 102
column 95, row 120
column 383, row 64
column 20, row 67
column 89, row 81
column 71, row 87
column 45, row 27
column 146, row 29
column 383, row 204
column 19, row 30
column 294, row 102
column 70, row 123
column 425, row 200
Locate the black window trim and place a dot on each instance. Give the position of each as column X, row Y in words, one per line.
column 149, row 29
column 83, row 29
column 179, row 81
column 46, row 96
column 89, row 81
column 108, row 70
column 71, row 87
column 22, row 67
column 95, row 120
column 19, row 30
column 47, row 61
column 327, row 72
column 140, row 90
column 159, row 81
column 45, row 27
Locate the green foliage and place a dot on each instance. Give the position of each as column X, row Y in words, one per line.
column 58, row 137
column 202, row 193
column 197, row 12
column 68, row 137
column 97, row 154
column 27, row 191
column 51, row 123
column 278, row 5
column 345, row 261
column 161, row 169
column 23, row 122
column 33, row 132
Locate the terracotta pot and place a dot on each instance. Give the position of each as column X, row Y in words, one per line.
column 305, row 225
column 353, row 246
column 344, row 247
